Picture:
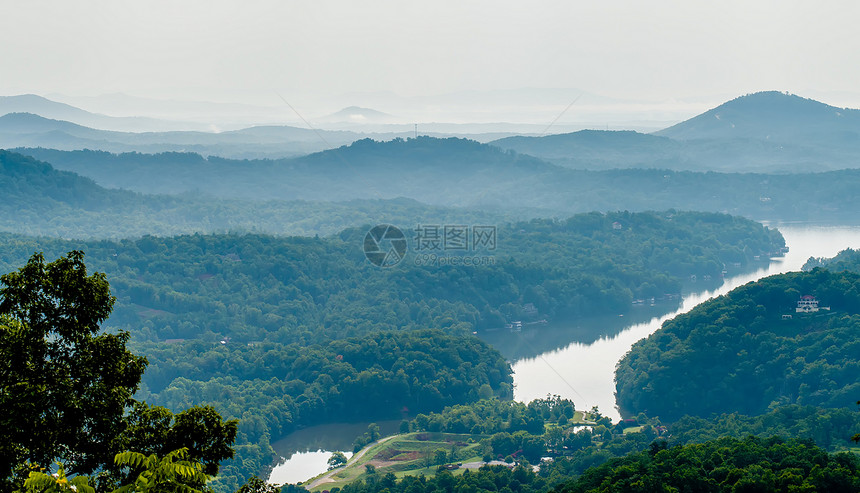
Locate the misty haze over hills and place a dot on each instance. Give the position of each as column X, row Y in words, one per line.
column 30, row 130
column 31, row 103
column 557, row 174
column 525, row 110
column 464, row 173
column 767, row 132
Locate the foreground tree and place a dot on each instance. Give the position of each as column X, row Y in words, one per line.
column 65, row 386
column 175, row 472
column 199, row 430
column 40, row 482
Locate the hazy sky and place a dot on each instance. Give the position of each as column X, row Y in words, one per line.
column 250, row 51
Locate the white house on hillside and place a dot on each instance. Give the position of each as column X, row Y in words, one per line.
column 809, row 304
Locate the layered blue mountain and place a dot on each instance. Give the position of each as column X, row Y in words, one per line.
column 761, row 132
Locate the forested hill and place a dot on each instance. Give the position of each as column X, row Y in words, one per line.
column 750, row 350
column 255, row 287
column 26, row 180
column 848, row 259
column 725, row 465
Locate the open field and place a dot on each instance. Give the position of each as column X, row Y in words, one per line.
column 411, row 453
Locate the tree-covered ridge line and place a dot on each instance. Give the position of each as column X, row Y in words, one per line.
column 458, row 171
column 255, row 288
column 829, row 428
column 377, row 167
column 848, row 259
column 751, row 350
column 43, row 201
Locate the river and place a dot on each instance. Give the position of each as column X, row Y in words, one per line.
column 578, row 364
column 584, row 372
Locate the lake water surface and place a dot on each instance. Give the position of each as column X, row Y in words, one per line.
column 306, row 452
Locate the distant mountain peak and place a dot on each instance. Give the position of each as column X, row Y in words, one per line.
column 772, row 100
column 357, row 114
column 766, row 115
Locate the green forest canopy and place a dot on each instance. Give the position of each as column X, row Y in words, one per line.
column 749, row 350
column 254, row 288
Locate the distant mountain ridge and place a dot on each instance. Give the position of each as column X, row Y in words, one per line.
column 462, row 173
column 41, row 200
column 767, row 132
column 31, row 103
column 762, row 132
column 596, row 149
column 24, row 179
column 425, row 168
column 31, row 130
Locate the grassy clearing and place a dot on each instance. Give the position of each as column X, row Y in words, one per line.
column 408, row 454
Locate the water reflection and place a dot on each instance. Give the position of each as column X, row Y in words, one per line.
column 535, row 340
column 305, row 453
column 301, row 466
